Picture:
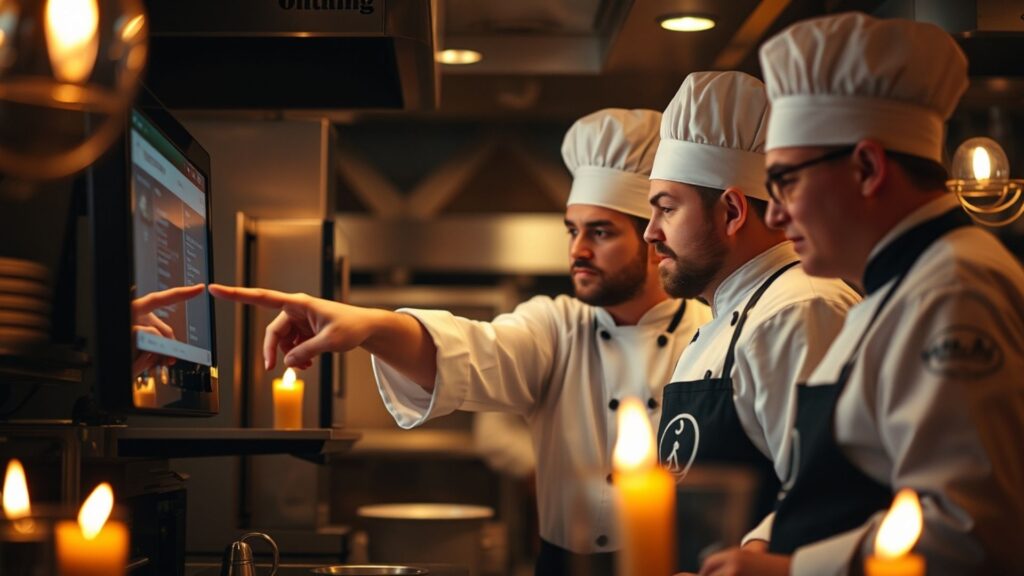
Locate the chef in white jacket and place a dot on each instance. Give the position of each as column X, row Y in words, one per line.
column 731, row 398
column 562, row 363
column 922, row 389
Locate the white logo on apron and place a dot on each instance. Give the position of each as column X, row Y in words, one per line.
column 672, row 463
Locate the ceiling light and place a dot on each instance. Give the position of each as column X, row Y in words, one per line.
column 459, row 56
column 686, row 22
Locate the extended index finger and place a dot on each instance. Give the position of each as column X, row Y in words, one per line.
column 155, row 300
column 255, row 296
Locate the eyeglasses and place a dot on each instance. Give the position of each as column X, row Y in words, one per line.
column 774, row 183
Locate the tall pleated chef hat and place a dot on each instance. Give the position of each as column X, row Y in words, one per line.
column 610, row 153
column 713, row 132
column 840, row 79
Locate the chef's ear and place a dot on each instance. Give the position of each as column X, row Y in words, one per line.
column 737, row 209
column 871, row 167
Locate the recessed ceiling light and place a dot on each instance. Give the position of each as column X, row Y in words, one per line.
column 459, row 56
column 686, row 22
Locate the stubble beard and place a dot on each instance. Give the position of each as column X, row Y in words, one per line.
column 618, row 288
column 690, row 277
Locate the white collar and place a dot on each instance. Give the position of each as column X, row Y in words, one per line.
column 745, row 279
column 661, row 313
column 931, row 210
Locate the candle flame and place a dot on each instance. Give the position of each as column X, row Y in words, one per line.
column 288, row 380
column 634, row 448
column 16, row 501
column 982, row 164
column 132, row 28
column 901, row 526
column 71, row 38
column 96, row 510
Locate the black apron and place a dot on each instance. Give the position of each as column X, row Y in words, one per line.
column 554, row 560
column 700, row 426
column 827, row 494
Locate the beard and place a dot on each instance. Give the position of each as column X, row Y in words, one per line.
column 691, row 276
column 613, row 288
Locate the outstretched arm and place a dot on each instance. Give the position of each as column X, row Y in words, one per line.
column 308, row 327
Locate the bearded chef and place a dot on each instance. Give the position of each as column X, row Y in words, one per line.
column 562, row 363
column 731, row 398
column 922, row 389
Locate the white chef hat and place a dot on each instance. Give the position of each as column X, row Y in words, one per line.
column 843, row 78
column 712, row 133
column 610, row 153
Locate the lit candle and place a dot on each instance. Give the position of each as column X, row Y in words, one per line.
column 93, row 546
column 288, row 401
column 16, row 503
column 144, row 392
column 897, row 535
column 647, row 495
column 24, row 548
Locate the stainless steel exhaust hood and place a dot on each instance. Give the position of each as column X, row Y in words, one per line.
column 991, row 32
column 280, row 55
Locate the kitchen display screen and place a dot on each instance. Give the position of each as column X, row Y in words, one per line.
column 168, row 197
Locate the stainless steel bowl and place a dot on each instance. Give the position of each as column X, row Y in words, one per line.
column 370, row 570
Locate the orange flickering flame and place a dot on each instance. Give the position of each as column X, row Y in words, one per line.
column 634, row 448
column 96, row 510
column 901, row 526
column 72, row 38
column 288, row 380
column 16, row 501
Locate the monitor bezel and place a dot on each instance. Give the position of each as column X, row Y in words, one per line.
column 114, row 262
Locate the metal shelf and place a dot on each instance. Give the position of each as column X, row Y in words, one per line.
column 133, row 442
column 121, row 441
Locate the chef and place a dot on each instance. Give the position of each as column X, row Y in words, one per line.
column 731, row 398
column 564, row 363
column 922, row 389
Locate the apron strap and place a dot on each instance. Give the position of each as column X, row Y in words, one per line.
column 730, row 356
column 898, row 258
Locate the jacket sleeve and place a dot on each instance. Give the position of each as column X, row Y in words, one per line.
column 780, row 353
column 949, row 408
column 481, row 366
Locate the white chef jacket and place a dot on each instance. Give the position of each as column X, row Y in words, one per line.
column 549, row 362
column 935, row 402
column 786, row 334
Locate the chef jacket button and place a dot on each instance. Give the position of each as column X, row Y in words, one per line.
column 614, row 404
column 735, row 318
column 602, row 540
column 662, row 340
column 605, row 335
column 707, row 375
column 609, row 479
column 652, row 403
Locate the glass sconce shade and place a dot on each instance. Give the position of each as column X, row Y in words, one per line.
column 981, row 160
column 68, row 71
column 980, row 178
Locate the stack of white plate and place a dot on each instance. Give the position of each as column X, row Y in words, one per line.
column 24, row 303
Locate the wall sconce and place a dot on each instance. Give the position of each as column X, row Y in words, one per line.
column 981, row 181
column 68, row 71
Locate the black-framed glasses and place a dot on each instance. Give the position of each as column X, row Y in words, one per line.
column 774, row 181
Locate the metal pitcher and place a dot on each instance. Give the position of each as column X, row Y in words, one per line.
column 238, row 557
